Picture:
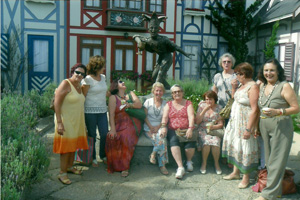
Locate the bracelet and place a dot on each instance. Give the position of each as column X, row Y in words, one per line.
column 248, row 130
column 283, row 111
column 192, row 127
column 163, row 125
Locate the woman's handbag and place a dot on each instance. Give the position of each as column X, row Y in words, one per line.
column 181, row 135
column 85, row 156
column 218, row 132
column 225, row 112
column 288, row 184
column 138, row 113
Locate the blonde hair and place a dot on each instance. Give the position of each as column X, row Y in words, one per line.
column 158, row 84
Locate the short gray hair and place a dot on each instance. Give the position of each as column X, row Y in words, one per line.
column 227, row 55
column 176, row 85
column 158, row 84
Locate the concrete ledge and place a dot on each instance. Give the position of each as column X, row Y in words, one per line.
column 45, row 124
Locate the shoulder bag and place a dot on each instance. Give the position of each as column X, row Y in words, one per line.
column 218, row 132
column 181, row 135
column 138, row 113
column 225, row 112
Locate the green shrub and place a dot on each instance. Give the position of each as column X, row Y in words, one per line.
column 130, row 85
column 24, row 156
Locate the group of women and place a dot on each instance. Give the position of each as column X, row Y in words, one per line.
column 259, row 108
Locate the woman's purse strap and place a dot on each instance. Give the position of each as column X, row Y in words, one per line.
column 227, row 90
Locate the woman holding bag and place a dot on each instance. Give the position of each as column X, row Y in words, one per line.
column 209, row 119
column 124, row 130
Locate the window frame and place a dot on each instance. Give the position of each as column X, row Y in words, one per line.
column 91, row 46
column 93, row 7
column 182, row 75
column 124, row 48
column 162, row 6
column 127, row 5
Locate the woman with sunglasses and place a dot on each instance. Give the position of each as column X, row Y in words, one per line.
column 240, row 145
column 70, row 133
column 95, row 91
column 124, row 130
column 179, row 114
column 225, row 80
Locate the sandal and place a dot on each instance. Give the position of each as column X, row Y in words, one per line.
column 124, row 173
column 63, row 178
column 95, row 163
column 164, row 170
column 152, row 158
column 73, row 170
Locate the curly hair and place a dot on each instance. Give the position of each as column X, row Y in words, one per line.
column 95, row 64
column 227, row 55
column 78, row 65
column 158, row 84
column 280, row 70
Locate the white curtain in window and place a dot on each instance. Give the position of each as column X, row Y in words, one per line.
column 89, row 2
column 129, row 60
column 149, row 61
column 97, row 52
column 86, row 41
column 118, row 60
column 197, row 4
column 97, row 3
column 40, row 56
column 85, row 56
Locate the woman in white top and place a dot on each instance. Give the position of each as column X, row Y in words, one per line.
column 95, row 90
column 155, row 107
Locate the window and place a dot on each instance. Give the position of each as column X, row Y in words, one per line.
column 124, row 56
column 285, row 55
column 190, row 65
column 156, row 5
column 92, row 4
column 194, row 4
column 41, row 56
column 151, row 59
column 127, row 4
column 90, row 47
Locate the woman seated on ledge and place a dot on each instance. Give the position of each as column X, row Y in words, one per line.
column 154, row 107
column 124, row 130
column 208, row 113
column 180, row 114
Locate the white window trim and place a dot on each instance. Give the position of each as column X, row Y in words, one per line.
column 43, row 1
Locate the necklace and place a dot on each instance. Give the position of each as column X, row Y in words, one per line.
column 156, row 110
column 269, row 96
column 121, row 97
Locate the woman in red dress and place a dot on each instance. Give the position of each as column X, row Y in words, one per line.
column 123, row 135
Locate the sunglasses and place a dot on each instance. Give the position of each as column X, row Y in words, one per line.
column 226, row 61
column 119, row 81
column 80, row 73
column 176, row 92
column 239, row 74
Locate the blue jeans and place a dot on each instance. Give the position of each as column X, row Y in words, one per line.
column 93, row 120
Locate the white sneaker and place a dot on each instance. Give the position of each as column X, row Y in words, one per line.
column 189, row 166
column 180, row 172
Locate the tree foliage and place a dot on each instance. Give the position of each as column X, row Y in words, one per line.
column 236, row 25
column 271, row 43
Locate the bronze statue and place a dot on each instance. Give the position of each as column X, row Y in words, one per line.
column 160, row 45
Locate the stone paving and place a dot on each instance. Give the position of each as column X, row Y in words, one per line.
column 146, row 182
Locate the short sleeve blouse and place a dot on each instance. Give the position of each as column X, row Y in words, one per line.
column 178, row 119
column 95, row 100
column 219, row 83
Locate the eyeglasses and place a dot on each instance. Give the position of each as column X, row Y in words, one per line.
column 226, row 61
column 176, row 92
column 119, row 81
column 80, row 73
column 239, row 74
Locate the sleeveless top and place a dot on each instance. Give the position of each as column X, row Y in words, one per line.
column 276, row 100
column 178, row 119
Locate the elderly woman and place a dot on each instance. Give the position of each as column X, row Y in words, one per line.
column 152, row 127
column 70, row 133
column 208, row 112
column 225, row 81
column 94, row 89
column 240, row 146
column 179, row 114
column 124, row 130
column 277, row 101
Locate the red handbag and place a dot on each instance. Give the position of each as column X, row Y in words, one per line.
column 288, row 184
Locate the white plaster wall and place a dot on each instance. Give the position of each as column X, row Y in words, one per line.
column 191, row 37
column 40, row 25
column 171, row 16
column 284, row 29
column 178, row 18
column 40, row 10
column 61, row 66
column 296, row 26
column 212, row 41
column 206, row 26
column 73, row 50
column 108, row 61
column 62, row 12
column 75, row 13
column 192, row 29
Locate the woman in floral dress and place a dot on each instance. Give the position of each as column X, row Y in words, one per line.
column 208, row 112
column 240, row 147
